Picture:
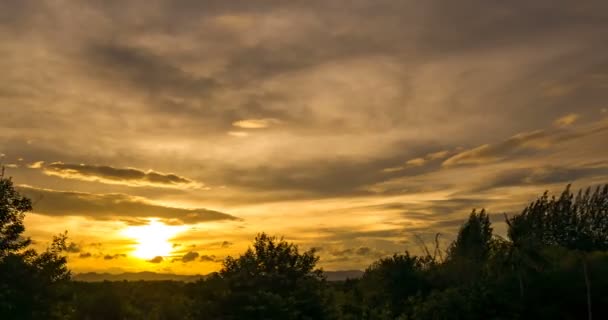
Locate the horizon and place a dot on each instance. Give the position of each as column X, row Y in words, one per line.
column 164, row 136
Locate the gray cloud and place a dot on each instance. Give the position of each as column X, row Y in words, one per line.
column 363, row 251
column 190, row 256
column 124, row 176
column 114, row 256
column 73, row 248
column 210, row 258
column 110, row 206
column 157, row 259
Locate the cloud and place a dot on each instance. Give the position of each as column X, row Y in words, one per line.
column 36, row 165
column 489, row 153
column 256, row 123
column 190, row 256
column 416, row 162
column 85, row 255
column 421, row 161
column 566, row 120
column 226, row 244
column 145, row 71
column 541, row 176
column 73, row 248
column 363, row 251
column 357, row 252
column 112, row 206
column 210, row 258
column 114, row 256
column 524, row 144
column 238, row 134
column 157, row 259
column 123, row 176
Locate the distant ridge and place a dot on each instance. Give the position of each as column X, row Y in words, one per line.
column 153, row 276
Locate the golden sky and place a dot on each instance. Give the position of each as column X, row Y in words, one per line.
column 163, row 135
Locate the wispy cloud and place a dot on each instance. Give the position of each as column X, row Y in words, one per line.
column 256, row 123
column 566, row 120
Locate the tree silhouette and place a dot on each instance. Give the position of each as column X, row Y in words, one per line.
column 466, row 256
column 577, row 223
column 12, row 211
column 271, row 280
column 388, row 282
column 31, row 283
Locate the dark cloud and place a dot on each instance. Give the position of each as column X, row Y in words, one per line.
column 111, row 206
column 363, row 251
column 85, row 255
column 226, row 244
column 73, row 248
column 344, row 252
column 114, row 256
column 355, row 253
column 190, row 256
column 210, row 258
column 125, row 176
column 157, row 259
column 140, row 68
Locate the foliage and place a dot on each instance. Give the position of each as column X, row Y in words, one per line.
column 12, row 211
column 32, row 285
column 272, row 280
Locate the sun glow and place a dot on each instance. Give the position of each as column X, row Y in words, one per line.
column 152, row 239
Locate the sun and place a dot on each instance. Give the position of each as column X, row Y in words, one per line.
column 152, row 239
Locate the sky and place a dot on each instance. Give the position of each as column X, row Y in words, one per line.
column 164, row 135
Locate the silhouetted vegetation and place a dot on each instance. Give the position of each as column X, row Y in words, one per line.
column 32, row 285
column 552, row 265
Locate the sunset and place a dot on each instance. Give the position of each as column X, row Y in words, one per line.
column 166, row 137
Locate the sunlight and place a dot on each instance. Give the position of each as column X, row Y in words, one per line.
column 152, row 239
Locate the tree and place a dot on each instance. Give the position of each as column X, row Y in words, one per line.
column 577, row 223
column 13, row 207
column 474, row 237
column 272, row 280
column 388, row 283
column 31, row 283
column 468, row 253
